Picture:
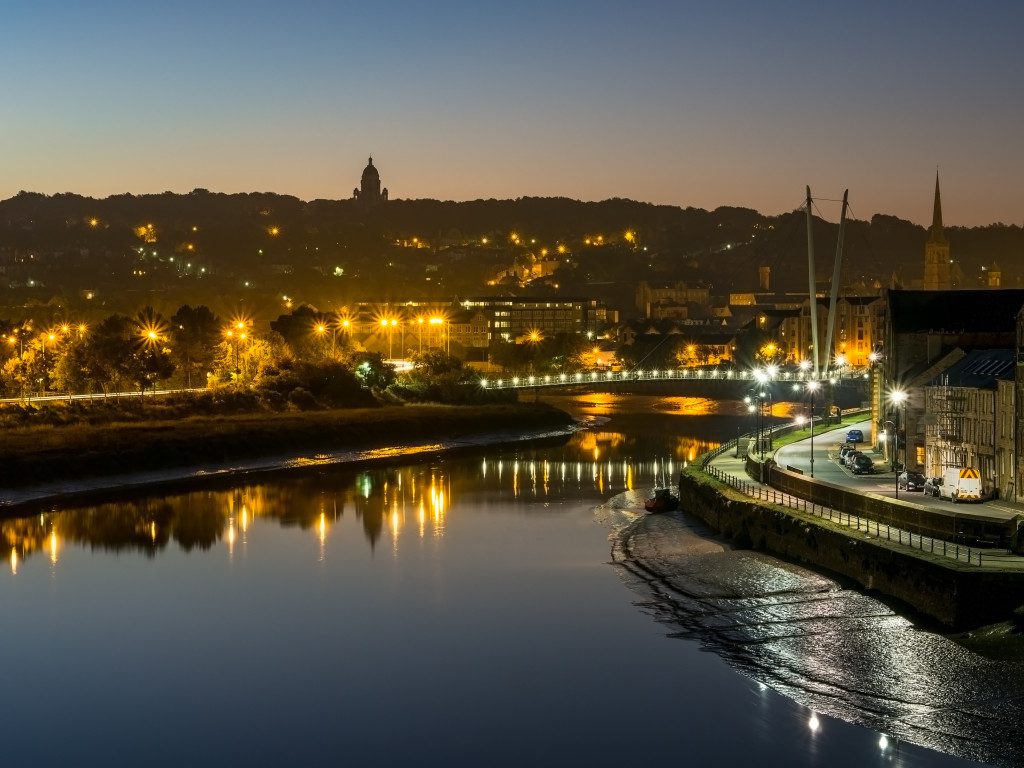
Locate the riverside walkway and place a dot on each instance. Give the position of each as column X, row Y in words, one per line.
column 729, row 466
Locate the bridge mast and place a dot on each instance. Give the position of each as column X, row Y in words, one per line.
column 835, row 284
column 812, row 282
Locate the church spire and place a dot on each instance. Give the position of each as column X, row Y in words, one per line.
column 936, row 233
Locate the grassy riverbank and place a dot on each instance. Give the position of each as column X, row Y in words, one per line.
column 42, row 454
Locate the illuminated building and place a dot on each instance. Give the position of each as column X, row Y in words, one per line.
column 369, row 191
column 936, row 250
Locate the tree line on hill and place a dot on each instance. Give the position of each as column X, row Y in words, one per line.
column 188, row 244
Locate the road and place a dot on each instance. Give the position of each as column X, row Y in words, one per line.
column 97, row 395
column 826, row 447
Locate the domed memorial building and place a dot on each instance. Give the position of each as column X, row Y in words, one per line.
column 369, row 191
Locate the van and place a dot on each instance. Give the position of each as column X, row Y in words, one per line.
column 961, row 484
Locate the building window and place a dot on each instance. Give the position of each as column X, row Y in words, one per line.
column 920, row 455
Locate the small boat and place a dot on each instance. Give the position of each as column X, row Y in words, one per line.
column 662, row 501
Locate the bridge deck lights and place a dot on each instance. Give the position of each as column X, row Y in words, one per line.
column 483, row 383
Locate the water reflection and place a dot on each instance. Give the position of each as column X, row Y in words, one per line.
column 479, row 580
column 384, row 502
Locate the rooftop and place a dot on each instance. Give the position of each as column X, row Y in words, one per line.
column 958, row 311
column 979, row 369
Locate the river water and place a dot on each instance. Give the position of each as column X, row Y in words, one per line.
column 508, row 608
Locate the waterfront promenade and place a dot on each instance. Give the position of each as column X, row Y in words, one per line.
column 731, row 468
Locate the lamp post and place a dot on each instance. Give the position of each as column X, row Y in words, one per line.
column 442, row 322
column 51, row 337
column 346, row 328
column 235, row 335
column 812, row 387
column 898, row 397
column 892, row 455
column 770, row 372
column 753, row 417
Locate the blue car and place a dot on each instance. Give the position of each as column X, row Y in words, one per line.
column 855, row 436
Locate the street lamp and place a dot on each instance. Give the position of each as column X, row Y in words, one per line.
column 388, row 324
column 812, row 387
column 442, row 321
column 320, row 329
column 892, row 454
column 751, row 410
column 898, row 397
column 236, row 336
column 51, row 337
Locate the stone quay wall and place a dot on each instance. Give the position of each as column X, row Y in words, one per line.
column 953, row 593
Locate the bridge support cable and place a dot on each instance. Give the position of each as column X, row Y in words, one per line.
column 812, row 282
column 834, row 298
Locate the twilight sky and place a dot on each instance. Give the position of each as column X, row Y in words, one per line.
column 702, row 103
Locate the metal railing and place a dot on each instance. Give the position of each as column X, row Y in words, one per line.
column 527, row 381
column 952, row 550
column 100, row 395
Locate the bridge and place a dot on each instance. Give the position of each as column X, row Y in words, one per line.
column 594, row 377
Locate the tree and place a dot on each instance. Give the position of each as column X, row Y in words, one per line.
column 194, row 332
column 16, row 374
column 108, row 350
column 372, row 371
column 150, row 357
column 249, row 361
column 71, row 372
column 307, row 332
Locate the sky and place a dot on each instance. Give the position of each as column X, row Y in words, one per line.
column 692, row 104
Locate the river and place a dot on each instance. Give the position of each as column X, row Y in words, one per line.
column 496, row 609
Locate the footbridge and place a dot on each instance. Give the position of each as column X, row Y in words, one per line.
column 680, row 375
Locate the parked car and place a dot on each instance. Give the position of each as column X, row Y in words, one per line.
column 862, row 465
column 855, row 436
column 931, row 486
column 961, row 484
column 845, row 451
column 911, row 481
column 852, row 457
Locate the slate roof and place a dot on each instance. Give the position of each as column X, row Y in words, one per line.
column 973, row 311
column 978, row 369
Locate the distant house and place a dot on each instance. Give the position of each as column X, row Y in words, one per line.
column 929, row 331
column 962, row 410
column 665, row 300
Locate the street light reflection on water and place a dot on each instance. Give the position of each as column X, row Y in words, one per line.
column 597, row 462
column 380, row 501
column 492, row 567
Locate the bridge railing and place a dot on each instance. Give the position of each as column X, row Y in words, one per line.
column 952, row 550
column 523, row 381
